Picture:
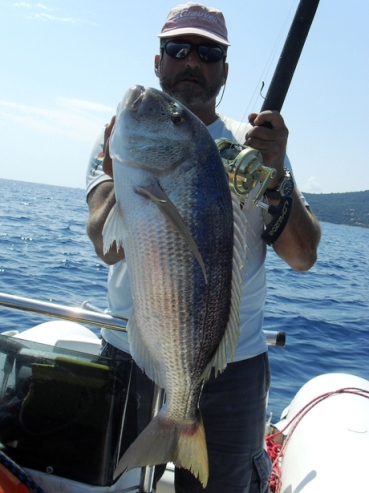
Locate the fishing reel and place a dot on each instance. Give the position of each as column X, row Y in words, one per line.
column 245, row 170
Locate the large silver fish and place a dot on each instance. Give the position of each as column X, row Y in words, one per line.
column 182, row 235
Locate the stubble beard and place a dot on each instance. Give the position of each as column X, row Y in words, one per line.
column 186, row 94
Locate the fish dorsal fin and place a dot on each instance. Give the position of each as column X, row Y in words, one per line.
column 155, row 193
column 240, row 260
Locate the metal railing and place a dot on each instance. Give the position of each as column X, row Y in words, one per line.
column 92, row 315
column 74, row 314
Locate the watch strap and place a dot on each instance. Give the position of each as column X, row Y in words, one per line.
column 284, row 188
column 272, row 193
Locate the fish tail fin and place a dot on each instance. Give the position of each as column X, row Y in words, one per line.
column 113, row 228
column 165, row 441
column 192, row 452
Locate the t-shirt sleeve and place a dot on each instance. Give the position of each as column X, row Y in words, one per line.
column 95, row 174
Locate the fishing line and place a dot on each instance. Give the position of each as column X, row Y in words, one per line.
column 268, row 64
column 221, row 97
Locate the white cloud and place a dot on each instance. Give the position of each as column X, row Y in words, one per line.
column 31, row 6
column 76, row 119
column 47, row 17
column 313, row 186
column 35, row 14
column 78, row 104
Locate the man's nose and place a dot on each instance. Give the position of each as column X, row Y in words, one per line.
column 193, row 59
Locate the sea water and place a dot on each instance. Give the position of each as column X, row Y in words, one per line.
column 45, row 254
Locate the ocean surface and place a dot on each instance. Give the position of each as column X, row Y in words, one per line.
column 45, row 254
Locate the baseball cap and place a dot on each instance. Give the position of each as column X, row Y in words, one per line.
column 194, row 18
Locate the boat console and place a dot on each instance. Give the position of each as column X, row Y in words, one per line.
column 68, row 413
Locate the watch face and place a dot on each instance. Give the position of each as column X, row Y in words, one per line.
column 287, row 186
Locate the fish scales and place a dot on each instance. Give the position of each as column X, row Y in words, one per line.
column 183, row 300
column 174, row 218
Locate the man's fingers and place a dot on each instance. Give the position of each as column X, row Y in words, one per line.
column 107, row 161
column 108, row 130
column 272, row 117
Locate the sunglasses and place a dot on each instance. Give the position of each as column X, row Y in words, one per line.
column 206, row 53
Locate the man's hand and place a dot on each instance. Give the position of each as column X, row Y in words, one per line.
column 107, row 161
column 271, row 142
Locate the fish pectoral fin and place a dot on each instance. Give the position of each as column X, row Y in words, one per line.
column 170, row 211
column 113, row 229
column 151, row 194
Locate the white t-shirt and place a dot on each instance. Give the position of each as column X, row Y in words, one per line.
column 252, row 340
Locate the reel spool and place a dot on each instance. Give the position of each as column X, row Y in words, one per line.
column 245, row 170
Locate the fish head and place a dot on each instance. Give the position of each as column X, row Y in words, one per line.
column 155, row 132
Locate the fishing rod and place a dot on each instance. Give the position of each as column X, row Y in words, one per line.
column 244, row 165
column 276, row 95
column 290, row 55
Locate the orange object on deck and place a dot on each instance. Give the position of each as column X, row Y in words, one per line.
column 9, row 483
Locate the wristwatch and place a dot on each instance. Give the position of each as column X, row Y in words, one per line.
column 284, row 188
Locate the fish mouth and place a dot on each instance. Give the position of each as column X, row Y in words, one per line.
column 134, row 98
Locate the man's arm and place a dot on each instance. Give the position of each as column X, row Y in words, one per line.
column 100, row 201
column 298, row 243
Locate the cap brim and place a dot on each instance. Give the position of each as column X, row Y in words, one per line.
column 198, row 32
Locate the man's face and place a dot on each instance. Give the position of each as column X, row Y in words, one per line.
column 191, row 80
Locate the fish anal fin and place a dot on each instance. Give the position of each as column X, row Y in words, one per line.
column 165, row 441
column 141, row 355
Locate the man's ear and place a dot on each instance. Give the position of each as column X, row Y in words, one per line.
column 157, row 65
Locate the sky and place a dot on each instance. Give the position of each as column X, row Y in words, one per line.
column 66, row 64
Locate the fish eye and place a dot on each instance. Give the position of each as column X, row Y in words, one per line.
column 177, row 119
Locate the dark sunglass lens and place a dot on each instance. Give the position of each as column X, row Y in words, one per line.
column 177, row 50
column 210, row 54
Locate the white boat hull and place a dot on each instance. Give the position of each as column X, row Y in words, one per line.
column 329, row 448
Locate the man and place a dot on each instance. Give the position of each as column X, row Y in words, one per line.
column 192, row 68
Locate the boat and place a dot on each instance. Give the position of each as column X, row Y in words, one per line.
column 62, row 429
column 322, row 438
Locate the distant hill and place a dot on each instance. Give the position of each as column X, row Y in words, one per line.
column 351, row 208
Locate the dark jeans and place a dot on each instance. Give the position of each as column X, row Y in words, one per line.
column 233, row 407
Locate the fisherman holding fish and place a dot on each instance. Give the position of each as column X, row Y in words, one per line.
column 145, row 214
